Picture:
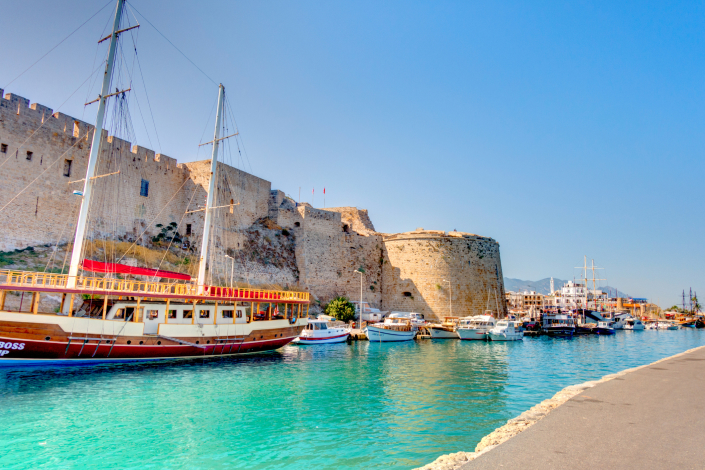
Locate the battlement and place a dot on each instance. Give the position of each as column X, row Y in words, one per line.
column 422, row 233
column 36, row 114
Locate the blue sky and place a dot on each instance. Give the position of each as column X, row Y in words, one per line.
column 560, row 129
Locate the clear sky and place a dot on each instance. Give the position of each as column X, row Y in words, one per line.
column 560, row 129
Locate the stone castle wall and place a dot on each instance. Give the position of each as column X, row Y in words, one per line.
column 44, row 161
column 42, row 152
column 418, row 264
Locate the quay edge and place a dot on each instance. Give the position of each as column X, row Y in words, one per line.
column 515, row 426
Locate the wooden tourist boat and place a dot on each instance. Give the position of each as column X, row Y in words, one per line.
column 132, row 320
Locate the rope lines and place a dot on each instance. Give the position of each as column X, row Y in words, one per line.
column 40, row 174
column 173, row 45
column 47, row 120
column 60, row 42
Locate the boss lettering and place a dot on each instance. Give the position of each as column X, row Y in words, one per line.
column 5, row 348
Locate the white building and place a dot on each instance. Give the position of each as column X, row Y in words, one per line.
column 573, row 295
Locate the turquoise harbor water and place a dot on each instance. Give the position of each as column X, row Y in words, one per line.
column 338, row 406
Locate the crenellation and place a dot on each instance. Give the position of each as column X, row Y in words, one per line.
column 44, row 111
column 17, row 102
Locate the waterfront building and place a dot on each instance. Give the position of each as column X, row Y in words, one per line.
column 573, row 295
column 525, row 300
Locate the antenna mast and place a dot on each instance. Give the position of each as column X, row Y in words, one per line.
column 211, row 193
column 95, row 152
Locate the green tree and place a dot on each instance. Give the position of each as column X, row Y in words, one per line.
column 341, row 308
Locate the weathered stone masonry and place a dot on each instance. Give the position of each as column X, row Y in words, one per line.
column 42, row 152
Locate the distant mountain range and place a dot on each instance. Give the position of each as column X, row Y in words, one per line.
column 543, row 286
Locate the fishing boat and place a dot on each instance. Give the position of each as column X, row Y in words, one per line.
column 121, row 318
column 323, row 331
column 558, row 325
column 391, row 330
column 506, row 330
column 445, row 330
column 475, row 328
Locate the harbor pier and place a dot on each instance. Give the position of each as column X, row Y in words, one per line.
column 652, row 417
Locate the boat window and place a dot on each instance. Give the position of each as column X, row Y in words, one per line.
column 204, row 313
column 323, row 326
column 188, row 314
column 152, row 314
column 227, row 313
column 172, row 314
column 238, row 313
column 120, row 314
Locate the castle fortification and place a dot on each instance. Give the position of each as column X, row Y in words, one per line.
column 43, row 158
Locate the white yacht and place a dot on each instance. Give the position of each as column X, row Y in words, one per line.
column 322, row 331
column 620, row 319
column 506, row 330
column 475, row 327
column 393, row 329
column 633, row 324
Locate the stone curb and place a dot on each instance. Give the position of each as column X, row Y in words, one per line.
column 528, row 418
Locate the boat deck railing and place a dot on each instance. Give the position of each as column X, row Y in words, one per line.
column 29, row 281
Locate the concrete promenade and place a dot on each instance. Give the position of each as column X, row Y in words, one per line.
column 652, row 418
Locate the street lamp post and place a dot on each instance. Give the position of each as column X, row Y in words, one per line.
column 232, row 269
column 361, row 272
column 450, row 289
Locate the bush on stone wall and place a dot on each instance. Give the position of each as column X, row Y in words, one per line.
column 341, row 308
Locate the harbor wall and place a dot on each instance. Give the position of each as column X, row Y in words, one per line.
column 273, row 239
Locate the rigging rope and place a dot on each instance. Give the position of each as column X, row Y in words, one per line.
column 174, row 46
column 60, row 42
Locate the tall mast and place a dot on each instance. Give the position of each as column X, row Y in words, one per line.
column 95, row 152
column 211, row 193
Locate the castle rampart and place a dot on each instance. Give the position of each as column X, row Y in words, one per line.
column 43, row 158
column 419, row 264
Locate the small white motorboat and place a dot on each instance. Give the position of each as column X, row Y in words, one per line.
column 393, row 329
column 633, row 324
column 506, row 331
column 445, row 330
column 322, row 331
column 475, row 328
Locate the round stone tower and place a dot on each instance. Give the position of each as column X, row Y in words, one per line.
column 432, row 272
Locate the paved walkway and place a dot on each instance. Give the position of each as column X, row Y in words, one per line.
column 653, row 418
